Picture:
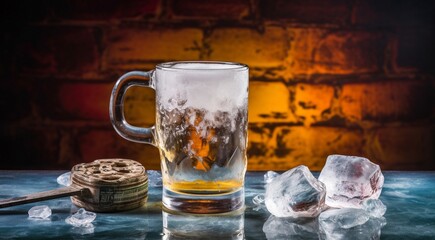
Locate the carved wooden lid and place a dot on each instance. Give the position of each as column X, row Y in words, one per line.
column 114, row 172
column 113, row 184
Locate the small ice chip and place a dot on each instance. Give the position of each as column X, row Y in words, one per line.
column 349, row 180
column 40, row 212
column 64, row 179
column 295, row 193
column 81, row 218
column 258, row 200
column 269, row 176
column 374, row 207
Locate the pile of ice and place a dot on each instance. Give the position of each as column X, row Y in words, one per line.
column 352, row 184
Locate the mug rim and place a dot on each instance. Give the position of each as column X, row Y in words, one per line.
column 232, row 65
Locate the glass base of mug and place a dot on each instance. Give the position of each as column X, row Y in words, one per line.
column 201, row 226
column 203, row 204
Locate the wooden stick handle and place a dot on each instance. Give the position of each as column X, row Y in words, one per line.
column 41, row 196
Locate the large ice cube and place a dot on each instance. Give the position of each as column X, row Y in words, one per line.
column 349, row 223
column 295, row 193
column 349, row 180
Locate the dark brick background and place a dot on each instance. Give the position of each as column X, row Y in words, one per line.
column 337, row 76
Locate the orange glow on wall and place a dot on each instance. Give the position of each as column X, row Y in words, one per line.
column 326, row 77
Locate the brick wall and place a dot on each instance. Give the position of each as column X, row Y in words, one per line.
column 351, row 77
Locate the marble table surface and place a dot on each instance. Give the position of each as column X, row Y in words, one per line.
column 409, row 197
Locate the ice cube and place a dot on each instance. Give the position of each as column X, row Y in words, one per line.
column 269, row 176
column 349, row 223
column 374, row 207
column 64, row 179
column 258, row 202
column 81, row 218
column 40, row 212
column 295, row 193
column 290, row 228
column 349, row 180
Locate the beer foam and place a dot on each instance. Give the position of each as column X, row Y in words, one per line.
column 211, row 87
column 200, row 66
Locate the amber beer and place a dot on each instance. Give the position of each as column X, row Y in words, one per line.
column 200, row 155
column 200, row 130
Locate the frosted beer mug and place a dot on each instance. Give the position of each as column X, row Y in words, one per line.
column 200, row 130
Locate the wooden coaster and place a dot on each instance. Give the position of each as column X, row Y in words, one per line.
column 114, row 185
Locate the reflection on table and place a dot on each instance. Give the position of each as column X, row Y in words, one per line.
column 227, row 226
column 408, row 196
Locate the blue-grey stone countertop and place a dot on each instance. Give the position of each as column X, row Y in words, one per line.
column 409, row 197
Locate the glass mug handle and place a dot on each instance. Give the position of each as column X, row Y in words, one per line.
column 116, row 108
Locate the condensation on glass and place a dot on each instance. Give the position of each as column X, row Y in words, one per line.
column 200, row 130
